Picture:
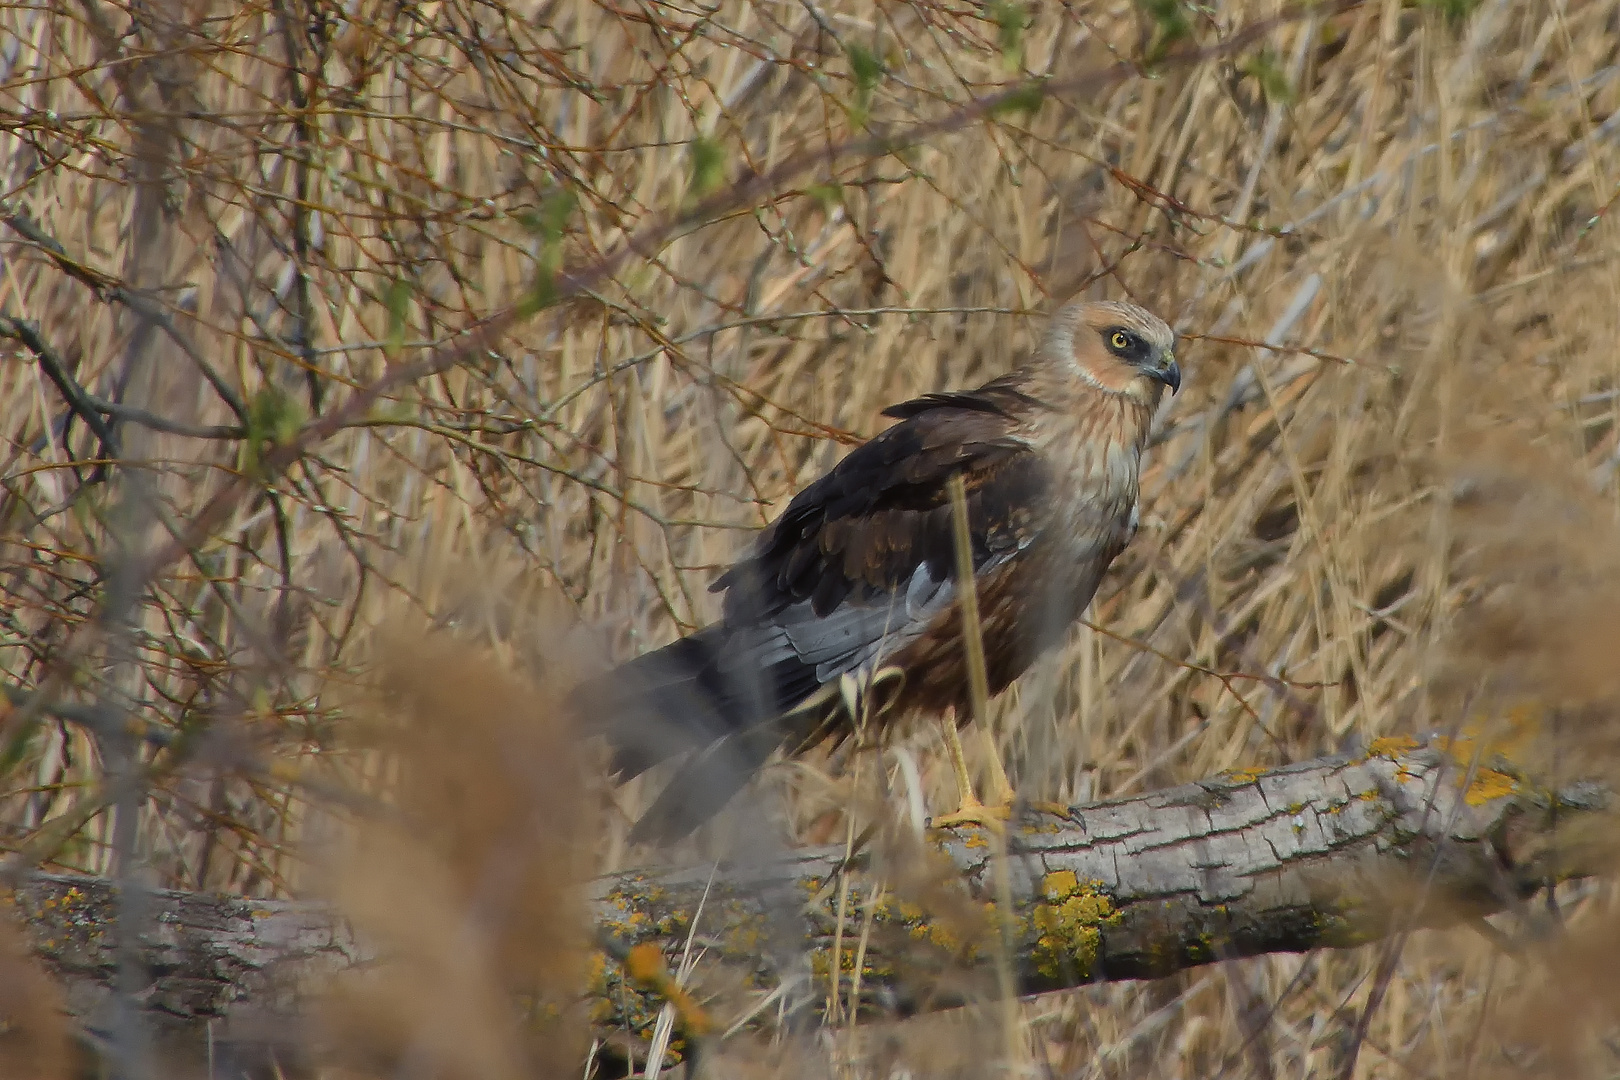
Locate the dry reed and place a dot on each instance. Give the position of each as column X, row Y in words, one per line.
column 1385, row 500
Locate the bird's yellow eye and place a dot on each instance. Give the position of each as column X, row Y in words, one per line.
column 1120, row 340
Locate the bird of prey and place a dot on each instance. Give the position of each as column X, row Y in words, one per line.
column 857, row 582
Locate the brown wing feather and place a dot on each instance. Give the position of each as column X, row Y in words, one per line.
column 861, row 531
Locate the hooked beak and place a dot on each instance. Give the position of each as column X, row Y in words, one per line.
column 1168, row 373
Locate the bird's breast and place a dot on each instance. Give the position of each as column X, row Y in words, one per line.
column 1095, row 473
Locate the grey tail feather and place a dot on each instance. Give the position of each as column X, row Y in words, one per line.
column 705, row 784
column 698, row 697
column 711, row 778
column 707, row 696
column 667, row 702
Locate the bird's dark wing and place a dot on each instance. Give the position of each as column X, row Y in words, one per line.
column 862, row 531
column 860, row 562
column 1002, row 397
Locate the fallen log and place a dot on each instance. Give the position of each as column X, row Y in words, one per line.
column 1334, row 852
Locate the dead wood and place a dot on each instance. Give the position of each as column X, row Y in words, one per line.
column 1334, row 852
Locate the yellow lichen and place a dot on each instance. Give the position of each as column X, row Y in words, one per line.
column 821, row 965
column 821, row 962
column 1069, row 925
column 1046, row 827
column 745, row 937
column 1060, row 884
column 1489, row 784
column 1243, row 776
column 1392, row 746
column 938, row 936
column 919, row 927
column 1486, row 738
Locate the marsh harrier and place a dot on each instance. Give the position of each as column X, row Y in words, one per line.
column 855, row 585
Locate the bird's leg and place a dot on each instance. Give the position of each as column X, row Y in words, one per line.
column 971, row 811
column 1001, row 789
column 1004, row 794
column 964, row 779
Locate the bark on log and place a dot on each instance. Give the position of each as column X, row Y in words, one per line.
column 1328, row 853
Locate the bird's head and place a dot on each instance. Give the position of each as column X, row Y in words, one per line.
column 1118, row 347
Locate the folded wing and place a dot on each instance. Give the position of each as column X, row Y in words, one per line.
column 859, row 564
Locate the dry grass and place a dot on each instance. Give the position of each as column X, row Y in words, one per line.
column 1385, row 500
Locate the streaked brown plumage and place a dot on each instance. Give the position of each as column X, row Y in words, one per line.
column 858, row 574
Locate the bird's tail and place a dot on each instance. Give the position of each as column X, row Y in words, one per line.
column 705, row 695
column 703, row 785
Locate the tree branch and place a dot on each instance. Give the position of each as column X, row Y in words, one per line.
column 1334, row 852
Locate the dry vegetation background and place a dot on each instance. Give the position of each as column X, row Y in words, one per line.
column 661, row 264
